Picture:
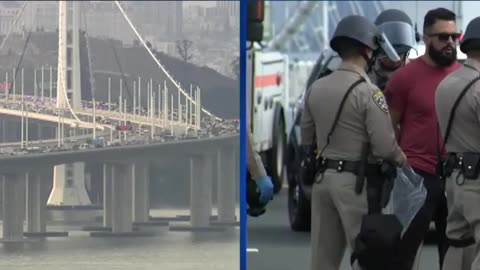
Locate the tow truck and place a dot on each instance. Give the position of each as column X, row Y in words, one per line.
column 299, row 195
column 269, row 107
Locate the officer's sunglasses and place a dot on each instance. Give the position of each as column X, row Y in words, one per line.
column 446, row 36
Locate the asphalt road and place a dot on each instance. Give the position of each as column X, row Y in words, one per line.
column 279, row 248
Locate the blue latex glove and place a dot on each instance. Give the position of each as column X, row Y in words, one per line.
column 265, row 186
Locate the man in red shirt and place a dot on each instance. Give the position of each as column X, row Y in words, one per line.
column 410, row 94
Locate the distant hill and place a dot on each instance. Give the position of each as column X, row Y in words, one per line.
column 220, row 94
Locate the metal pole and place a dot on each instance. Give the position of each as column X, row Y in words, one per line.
column 179, row 110
column 51, row 83
column 148, row 99
column 42, row 85
column 186, row 113
column 26, row 128
column 150, row 91
column 35, row 88
column 191, row 106
column 120, row 98
column 109, row 93
column 23, row 112
column 6, row 85
column 125, row 118
column 134, row 99
column 94, row 119
column 159, row 100
column 152, row 112
column 139, row 96
column 14, row 84
column 166, row 101
column 171, row 114
column 199, row 107
column 195, row 106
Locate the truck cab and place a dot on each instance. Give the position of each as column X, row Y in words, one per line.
column 268, row 99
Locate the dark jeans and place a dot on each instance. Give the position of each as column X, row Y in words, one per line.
column 435, row 208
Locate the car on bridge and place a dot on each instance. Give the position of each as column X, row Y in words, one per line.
column 299, row 195
column 124, row 127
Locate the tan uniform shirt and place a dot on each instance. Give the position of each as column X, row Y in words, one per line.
column 254, row 161
column 465, row 130
column 365, row 117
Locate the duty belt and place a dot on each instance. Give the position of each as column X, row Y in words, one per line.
column 458, row 161
column 468, row 163
column 339, row 165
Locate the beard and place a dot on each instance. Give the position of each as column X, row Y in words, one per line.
column 440, row 57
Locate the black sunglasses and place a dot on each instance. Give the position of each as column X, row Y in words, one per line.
column 446, row 36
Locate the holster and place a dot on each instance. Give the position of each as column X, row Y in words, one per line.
column 308, row 166
column 470, row 165
column 380, row 180
column 446, row 165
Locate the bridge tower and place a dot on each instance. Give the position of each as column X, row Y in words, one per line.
column 69, row 179
column 68, row 72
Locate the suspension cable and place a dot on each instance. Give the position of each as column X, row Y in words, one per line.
column 13, row 25
column 158, row 63
column 20, row 61
column 124, row 79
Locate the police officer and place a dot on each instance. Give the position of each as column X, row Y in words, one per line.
column 258, row 175
column 337, row 209
column 398, row 28
column 462, row 144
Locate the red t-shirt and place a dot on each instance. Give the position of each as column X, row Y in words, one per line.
column 411, row 92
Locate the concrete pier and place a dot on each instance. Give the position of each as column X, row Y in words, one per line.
column 201, row 168
column 140, row 200
column 121, row 202
column 13, row 207
column 226, row 179
column 107, row 195
column 36, row 202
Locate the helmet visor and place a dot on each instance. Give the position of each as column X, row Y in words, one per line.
column 387, row 48
column 400, row 34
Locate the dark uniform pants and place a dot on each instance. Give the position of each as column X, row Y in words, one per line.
column 463, row 222
column 337, row 213
column 435, row 208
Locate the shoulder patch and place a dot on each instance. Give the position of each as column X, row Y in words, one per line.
column 379, row 100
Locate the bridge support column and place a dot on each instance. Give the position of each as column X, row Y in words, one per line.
column 35, row 205
column 69, row 186
column 201, row 168
column 226, row 169
column 107, row 195
column 13, row 207
column 200, row 190
column 141, row 202
column 121, row 201
column 4, row 131
column 121, row 197
column 36, row 202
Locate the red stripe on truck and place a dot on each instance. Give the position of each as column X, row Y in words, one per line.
column 268, row 80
